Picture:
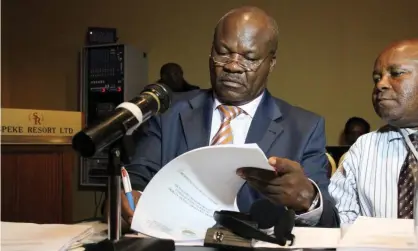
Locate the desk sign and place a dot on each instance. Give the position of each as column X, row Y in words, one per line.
column 39, row 126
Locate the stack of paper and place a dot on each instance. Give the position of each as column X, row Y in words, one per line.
column 41, row 237
column 308, row 238
column 367, row 234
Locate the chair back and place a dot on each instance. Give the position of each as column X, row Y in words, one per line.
column 332, row 166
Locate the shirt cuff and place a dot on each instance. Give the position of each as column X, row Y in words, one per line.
column 312, row 217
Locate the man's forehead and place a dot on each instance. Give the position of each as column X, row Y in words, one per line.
column 249, row 34
column 399, row 55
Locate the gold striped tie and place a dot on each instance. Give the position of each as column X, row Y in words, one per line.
column 224, row 134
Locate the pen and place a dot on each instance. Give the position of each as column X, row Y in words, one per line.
column 128, row 188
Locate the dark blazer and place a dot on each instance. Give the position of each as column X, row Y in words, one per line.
column 278, row 128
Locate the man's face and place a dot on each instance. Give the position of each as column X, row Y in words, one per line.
column 354, row 133
column 240, row 61
column 395, row 94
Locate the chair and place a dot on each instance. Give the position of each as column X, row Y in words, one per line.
column 332, row 167
column 341, row 159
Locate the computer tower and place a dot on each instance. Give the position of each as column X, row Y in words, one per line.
column 110, row 75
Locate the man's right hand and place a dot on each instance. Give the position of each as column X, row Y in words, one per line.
column 127, row 212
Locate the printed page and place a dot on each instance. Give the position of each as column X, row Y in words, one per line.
column 180, row 200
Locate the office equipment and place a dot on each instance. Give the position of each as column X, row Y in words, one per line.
column 110, row 74
column 111, row 132
column 100, row 35
column 124, row 120
column 241, row 229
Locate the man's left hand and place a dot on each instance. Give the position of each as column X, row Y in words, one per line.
column 287, row 186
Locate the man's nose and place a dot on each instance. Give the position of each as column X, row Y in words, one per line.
column 383, row 84
column 234, row 65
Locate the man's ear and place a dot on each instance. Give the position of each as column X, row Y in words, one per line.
column 272, row 63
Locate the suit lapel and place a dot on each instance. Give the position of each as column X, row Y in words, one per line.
column 265, row 127
column 197, row 120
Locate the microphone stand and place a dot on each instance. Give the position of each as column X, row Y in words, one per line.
column 119, row 154
column 114, row 190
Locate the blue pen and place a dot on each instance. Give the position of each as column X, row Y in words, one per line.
column 128, row 188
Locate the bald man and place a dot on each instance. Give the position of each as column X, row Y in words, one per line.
column 376, row 178
column 239, row 109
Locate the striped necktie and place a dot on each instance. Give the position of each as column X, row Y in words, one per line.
column 224, row 134
column 406, row 183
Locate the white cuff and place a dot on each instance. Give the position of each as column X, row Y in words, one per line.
column 311, row 218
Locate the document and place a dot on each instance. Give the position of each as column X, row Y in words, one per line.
column 379, row 234
column 180, row 200
column 41, row 237
column 308, row 238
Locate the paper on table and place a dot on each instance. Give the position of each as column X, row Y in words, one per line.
column 379, row 233
column 308, row 238
column 179, row 202
column 40, row 237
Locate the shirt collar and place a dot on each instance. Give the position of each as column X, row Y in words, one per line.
column 394, row 132
column 249, row 108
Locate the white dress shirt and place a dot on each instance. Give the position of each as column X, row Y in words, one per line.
column 240, row 126
column 366, row 182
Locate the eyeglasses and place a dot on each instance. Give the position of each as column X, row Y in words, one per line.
column 246, row 64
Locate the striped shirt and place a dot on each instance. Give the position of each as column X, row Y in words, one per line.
column 366, row 182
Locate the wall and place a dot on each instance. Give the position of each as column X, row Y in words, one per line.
column 327, row 48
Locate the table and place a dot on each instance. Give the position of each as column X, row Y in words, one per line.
column 100, row 233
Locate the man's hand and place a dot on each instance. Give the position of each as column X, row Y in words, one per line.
column 127, row 212
column 288, row 185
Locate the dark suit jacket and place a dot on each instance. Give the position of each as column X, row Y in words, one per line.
column 278, row 128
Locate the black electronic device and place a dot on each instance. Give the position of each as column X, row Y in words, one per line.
column 100, row 35
column 127, row 117
column 110, row 133
column 110, row 75
column 235, row 229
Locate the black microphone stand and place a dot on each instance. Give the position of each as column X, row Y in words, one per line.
column 119, row 154
column 114, row 189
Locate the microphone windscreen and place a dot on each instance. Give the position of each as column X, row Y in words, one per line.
column 265, row 213
column 285, row 224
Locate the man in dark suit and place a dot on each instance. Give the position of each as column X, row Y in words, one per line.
column 239, row 109
column 171, row 74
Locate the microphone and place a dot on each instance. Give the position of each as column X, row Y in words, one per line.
column 128, row 116
column 268, row 215
column 263, row 215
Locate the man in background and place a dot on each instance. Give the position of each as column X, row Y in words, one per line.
column 376, row 178
column 354, row 128
column 171, row 74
